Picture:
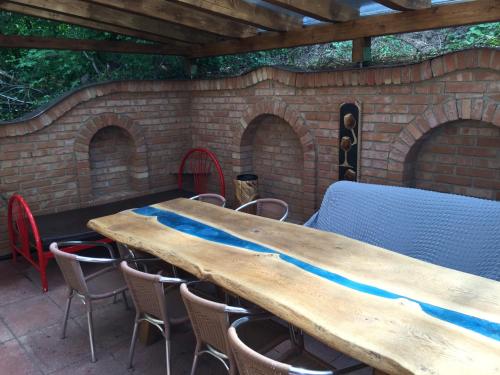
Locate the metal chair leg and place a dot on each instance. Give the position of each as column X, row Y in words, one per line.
column 66, row 314
column 195, row 358
column 167, row 354
column 132, row 343
column 91, row 329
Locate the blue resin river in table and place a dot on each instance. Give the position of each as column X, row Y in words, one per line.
column 195, row 228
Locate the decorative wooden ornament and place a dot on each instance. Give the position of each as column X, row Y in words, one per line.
column 349, row 141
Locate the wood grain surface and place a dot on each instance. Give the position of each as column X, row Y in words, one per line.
column 393, row 335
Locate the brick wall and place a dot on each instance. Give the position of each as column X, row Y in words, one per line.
column 275, row 155
column 110, row 153
column 461, row 158
column 46, row 157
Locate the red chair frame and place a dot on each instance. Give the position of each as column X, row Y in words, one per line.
column 24, row 236
column 201, row 167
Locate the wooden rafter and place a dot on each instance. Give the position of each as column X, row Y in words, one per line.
column 97, row 13
column 406, row 4
column 424, row 19
column 178, row 14
column 18, row 41
column 324, row 10
column 53, row 16
column 248, row 13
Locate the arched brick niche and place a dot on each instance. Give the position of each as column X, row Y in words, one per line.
column 275, row 144
column 111, row 159
column 461, row 157
column 453, row 147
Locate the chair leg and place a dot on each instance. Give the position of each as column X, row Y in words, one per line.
column 132, row 343
column 125, row 302
column 91, row 329
column 167, row 354
column 195, row 358
column 66, row 313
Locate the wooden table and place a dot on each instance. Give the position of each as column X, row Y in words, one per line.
column 403, row 321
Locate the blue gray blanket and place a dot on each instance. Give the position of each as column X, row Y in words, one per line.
column 454, row 231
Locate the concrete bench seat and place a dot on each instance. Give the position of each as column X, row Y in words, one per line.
column 449, row 230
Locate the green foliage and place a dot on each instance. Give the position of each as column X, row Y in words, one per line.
column 479, row 35
column 30, row 78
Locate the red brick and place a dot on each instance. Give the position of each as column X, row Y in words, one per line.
column 437, row 66
column 489, row 142
column 453, row 180
column 475, row 172
column 465, row 87
column 475, row 151
column 450, row 63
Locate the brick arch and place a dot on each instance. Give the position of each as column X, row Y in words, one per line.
column 462, row 109
column 293, row 118
column 139, row 165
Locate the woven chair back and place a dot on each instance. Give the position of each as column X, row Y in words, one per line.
column 209, row 320
column 271, row 208
column 71, row 270
column 146, row 291
column 215, row 199
column 250, row 362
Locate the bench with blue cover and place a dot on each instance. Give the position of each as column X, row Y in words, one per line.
column 449, row 230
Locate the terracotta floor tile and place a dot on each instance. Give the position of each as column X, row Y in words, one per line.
column 5, row 333
column 30, row 314
column 105, row 365
column 15, row 287
column 112, row 324
column 15, row 360
column 55, row 353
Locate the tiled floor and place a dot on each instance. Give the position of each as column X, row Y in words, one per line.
column 30, row 323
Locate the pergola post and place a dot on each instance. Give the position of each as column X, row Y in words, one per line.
column 361, row 51
column 190, row 67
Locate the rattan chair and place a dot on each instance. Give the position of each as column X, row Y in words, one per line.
column 268, row 207
column 210, row 321
column 150, row 293
column 294, row 362
column 216, row 199
column 250, row 362
column 88, row 288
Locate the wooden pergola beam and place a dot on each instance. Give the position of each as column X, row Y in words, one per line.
column 248, row 13
column 97, row 13
column 406, row 4
column 178, row 14
column 456, row 14
column 324, row 10
column 34, row 42
column 53, row 16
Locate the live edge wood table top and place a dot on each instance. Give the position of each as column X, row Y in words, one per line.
column 395, row 313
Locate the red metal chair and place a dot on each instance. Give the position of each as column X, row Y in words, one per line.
column 199, row 162
column 24, row 238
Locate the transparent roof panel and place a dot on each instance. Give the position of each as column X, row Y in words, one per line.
column 367, row 8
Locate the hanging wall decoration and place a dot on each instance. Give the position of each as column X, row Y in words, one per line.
column 349, row 141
